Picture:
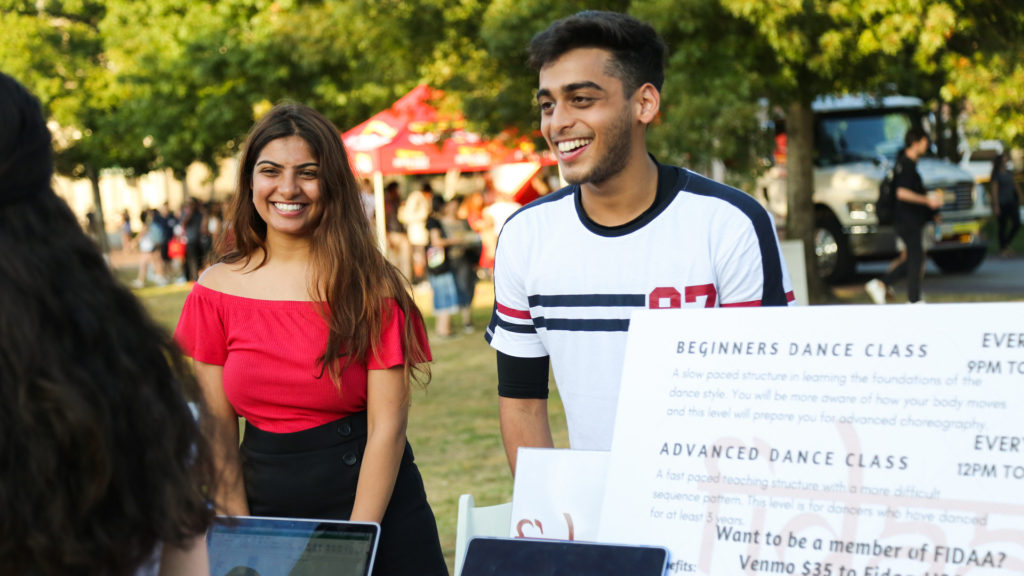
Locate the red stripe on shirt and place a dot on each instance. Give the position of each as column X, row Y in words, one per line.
column 789, row 298
column 742, row 304
column 521, row 314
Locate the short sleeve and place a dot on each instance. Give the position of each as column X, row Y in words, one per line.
column 200, row 332
column 390, row 352
column 434, row 224
column 905, row 175
column 511, row 330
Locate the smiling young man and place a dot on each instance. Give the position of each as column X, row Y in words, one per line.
column 627, row 233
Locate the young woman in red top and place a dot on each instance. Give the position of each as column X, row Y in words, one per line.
column 304, row 329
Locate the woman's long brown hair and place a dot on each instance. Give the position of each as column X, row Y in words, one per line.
column 351, row 276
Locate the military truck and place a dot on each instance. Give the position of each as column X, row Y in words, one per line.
column 856, row 141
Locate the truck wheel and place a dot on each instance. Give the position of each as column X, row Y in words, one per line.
column 832, row 249
column 959, row 261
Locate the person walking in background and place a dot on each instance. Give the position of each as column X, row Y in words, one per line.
column 486, row 228
column 369, row 201
column 165, row 220
column 569, row 265
column 104, row 469
column 193, row 221
column 914, row 208
column 1005, row 204
column 414, row 213
column 151, row 264
column 440, row 251
column 92, row 226
column 496, row 213
column 304, row 329
column 127, row 235
column 399, row 252
column 463, row 255
column 472, row 211
column 212, row 232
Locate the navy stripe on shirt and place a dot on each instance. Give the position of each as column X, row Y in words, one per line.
column 587, row 300
column 582, row 324
column 773, row 293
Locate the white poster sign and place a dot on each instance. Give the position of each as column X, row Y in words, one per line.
column 558, row 494
column 824, row 441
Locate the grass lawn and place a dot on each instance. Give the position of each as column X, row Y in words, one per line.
column 453, row 425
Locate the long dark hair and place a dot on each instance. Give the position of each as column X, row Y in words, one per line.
column 100, row 455
column 350, row 274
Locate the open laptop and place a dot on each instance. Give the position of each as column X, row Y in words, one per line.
column 531, row 557
column 258, row 546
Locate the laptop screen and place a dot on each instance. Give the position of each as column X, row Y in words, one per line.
column 528, row 557
column 256, row 546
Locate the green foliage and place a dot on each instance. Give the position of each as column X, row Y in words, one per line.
column 56, row 49
column 986, row 70
column 163, row 83
column 501, row 94
column 710, row 97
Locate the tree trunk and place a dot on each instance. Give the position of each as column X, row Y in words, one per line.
column 99, row 230
column 800, row 190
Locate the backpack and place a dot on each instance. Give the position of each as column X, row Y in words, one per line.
column 886, row 203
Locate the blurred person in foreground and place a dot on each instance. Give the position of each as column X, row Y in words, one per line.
column 306, row 330
column 1005, row 203
column 627, row 233
column 104, row 468
column 914, row 208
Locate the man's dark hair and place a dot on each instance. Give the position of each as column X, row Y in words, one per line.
column 638, row 54
column 914, row 134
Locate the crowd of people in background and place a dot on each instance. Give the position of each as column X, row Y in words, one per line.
column 172, row 247
column 176, row 247
column 460, row 229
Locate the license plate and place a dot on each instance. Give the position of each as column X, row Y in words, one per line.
column 962, row 231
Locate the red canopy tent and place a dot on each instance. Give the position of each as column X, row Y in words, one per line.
column 413, row 137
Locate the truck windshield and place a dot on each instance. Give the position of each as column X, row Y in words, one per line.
column 862, row 135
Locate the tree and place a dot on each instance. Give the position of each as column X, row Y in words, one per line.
column 184, row 71
column 500, row 92
column 727, row 57
column 790, row 52
column 56, row 49
column 204, row 71
column 984, row 67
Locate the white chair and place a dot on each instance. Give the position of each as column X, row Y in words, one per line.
column 478, row 521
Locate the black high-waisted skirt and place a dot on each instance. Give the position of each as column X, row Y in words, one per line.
column 313, row 474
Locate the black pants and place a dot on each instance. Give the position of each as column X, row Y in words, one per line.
column 1009, row 223
column 313, row 474
column 910, row 231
